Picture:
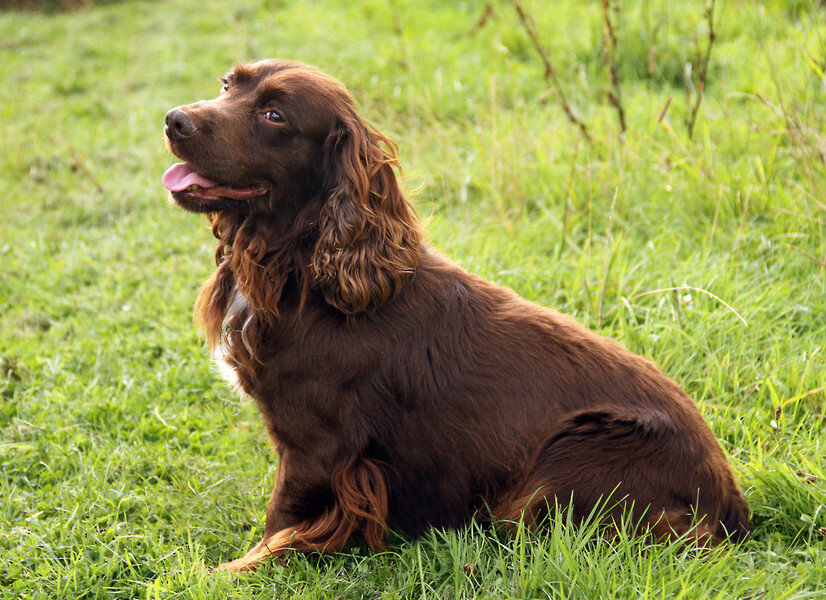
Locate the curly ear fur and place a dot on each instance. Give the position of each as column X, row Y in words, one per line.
column 369, row 235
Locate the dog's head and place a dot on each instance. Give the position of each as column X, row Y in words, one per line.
column 283, row 142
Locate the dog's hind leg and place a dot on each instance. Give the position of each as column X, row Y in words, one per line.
column 359, row 504
column 671, row 481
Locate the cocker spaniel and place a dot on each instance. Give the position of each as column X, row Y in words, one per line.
column 400, row 391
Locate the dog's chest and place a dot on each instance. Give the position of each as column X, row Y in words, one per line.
column 225, row 369
column 238, row 313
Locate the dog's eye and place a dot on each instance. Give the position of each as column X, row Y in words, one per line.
column 225, row 86
column 273, row 116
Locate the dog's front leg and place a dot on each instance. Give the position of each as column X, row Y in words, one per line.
column 313, row 510
column 301, row 502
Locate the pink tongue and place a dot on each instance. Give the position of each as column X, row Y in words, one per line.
column 180, row 176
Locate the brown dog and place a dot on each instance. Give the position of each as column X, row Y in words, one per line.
column 399, row 390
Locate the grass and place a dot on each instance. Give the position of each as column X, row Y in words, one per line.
column 127, row 469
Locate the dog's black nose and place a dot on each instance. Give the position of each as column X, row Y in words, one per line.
column 179, row 124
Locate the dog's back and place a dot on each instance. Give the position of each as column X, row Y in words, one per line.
column 500, row 402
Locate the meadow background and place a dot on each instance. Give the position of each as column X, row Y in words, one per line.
column 128, row 470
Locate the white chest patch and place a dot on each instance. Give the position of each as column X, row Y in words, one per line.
column 224, row 369
column 222, row 349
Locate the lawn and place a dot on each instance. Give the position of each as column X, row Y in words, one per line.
column 129, row 470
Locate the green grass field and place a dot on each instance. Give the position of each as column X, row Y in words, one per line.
column 128, row 470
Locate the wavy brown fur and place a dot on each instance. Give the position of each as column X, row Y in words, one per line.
column 399, row 390
column 369, row 236
column 361, row 505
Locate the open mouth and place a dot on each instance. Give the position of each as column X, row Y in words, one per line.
column 191, row 189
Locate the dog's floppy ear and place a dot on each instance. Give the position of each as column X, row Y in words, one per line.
column 369, row 234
